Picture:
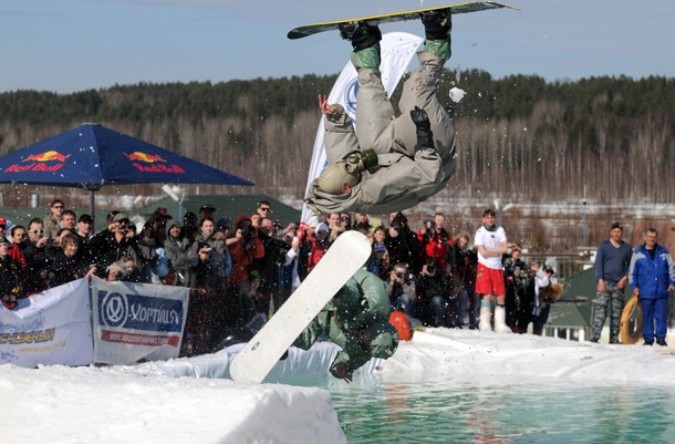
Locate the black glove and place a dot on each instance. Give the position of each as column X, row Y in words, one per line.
column 425, row 138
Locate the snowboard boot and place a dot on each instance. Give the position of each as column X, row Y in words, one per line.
column 500, row 318
column 662, row 342
column 485, row 315
column 366, row 43
column 437, row 27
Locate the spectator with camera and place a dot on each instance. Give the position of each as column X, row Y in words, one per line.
column 400, row 288
column 516, row 280
column 462, row 261
column 432, row 295
column 401, row 243
column 269, row 266
column 112, row 244
column 231, row 314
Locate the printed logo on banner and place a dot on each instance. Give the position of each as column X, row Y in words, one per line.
column 349, row 98
column 136, row 312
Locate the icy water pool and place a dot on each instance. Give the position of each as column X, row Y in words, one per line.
column 529, row 412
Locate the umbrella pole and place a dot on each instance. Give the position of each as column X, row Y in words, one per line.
column 91, row 204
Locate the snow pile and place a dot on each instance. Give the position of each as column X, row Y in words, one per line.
column 192, row 400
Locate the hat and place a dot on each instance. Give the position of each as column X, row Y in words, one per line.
column 224, row 222
column 3, row 221
column 322, row 227
column 207, row 207
column 86, row 218
column 548, row 269
column 333, row 178
column 378, row 247
column 618, row 225
column 120, row 217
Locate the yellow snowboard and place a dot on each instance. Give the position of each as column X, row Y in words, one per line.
column 455, row 8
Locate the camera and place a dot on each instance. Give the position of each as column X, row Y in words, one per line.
column 400, row 275
column 431, row 268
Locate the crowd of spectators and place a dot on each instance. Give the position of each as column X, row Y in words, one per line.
column 240, row 272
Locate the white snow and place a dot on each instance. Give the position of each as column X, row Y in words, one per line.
column 192, row 400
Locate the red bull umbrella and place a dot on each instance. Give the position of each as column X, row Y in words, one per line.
column 91, row 156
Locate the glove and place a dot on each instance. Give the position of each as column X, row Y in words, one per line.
column 341, row 371
column 425, row 138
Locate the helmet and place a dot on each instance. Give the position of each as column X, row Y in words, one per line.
column 347, row 171
column 334, row 177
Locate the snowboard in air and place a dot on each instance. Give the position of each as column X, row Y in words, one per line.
column 455, row 8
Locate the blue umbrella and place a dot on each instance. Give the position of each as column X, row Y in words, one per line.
column 92, row 155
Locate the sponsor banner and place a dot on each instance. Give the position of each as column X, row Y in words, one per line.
column 137, row 321
column 397, row 49
column 52, row 327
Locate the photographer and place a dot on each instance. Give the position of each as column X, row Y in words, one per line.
column 113, row 244
column 401, row 289
column 432, row 295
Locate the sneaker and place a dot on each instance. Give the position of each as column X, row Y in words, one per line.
column 437, row 24
column 361, row 34
column 661, row 342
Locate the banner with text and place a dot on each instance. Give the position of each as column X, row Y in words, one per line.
column 137, row 321
column 52, row 327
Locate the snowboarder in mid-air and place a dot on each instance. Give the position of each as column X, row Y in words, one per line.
column 388, row 163
column 357, row 319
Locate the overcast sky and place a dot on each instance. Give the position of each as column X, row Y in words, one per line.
column 73, row 45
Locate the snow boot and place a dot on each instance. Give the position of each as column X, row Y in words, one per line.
column 485, row 315
column 500, row 317
column 366, row 43
column 361, row 34
column 437, row 26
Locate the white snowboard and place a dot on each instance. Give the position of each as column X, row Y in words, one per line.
column 349, row 252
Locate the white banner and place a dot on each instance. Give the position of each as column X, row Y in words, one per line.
column 397, row 49
column 137, row 321
column 52, row 327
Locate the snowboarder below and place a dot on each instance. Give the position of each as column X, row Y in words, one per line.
column 388, row 163
column 357, row 320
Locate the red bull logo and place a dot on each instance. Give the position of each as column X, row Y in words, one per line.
column 145, row 157
column 47, row 156
column 47, row 162
column 152, row 163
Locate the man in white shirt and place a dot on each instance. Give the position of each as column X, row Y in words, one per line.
column 491, row 243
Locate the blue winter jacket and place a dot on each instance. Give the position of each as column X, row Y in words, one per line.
column 652, row 276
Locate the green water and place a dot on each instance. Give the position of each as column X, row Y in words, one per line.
column 533, row 412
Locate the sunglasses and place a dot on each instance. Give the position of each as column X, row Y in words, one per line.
column 58, row 206
column 265, row 208
column 37, row 231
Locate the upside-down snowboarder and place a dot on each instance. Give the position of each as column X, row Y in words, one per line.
column 357, row 319
column 388, row 163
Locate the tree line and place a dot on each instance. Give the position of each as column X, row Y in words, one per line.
column 608, row 139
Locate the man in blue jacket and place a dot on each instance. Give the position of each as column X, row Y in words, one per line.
column 652, row 276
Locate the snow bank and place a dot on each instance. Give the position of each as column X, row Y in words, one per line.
column 192, row 400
